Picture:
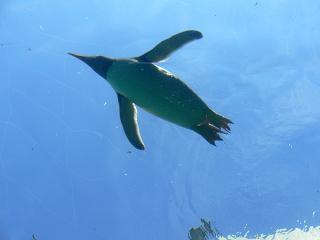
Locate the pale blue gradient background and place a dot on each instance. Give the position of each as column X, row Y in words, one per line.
column 65, row 170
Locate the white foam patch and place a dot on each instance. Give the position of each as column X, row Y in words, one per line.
column 311, row 233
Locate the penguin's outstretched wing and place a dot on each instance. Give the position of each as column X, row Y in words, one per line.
column 166, row 47
column 128, row 117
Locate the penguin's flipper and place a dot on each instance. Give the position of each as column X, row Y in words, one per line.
column 128, row 117
column 166, row 47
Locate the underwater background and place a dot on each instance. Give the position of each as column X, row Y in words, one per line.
column 67, row 170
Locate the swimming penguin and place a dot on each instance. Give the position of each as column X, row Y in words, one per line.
column 138, row 81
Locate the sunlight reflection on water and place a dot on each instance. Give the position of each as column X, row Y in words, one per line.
column 310, row 233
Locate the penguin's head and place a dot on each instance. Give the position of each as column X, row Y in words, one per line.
column 99, row 64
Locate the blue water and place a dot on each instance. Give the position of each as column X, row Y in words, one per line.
column 67, row 170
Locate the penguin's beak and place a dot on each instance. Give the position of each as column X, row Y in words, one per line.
column 99, row 64
column 82, row 58
column 72, row 54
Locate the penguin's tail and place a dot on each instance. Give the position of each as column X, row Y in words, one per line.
column 213, row 126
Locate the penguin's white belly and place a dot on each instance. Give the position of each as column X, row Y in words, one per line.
column 157, row 91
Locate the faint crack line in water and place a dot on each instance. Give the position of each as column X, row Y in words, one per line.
column 3, row 143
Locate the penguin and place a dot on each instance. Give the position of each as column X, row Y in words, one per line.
column 138, row 81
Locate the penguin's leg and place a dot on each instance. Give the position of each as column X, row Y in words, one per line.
column 208, row 131
column 218, row 121
column 213, row 125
